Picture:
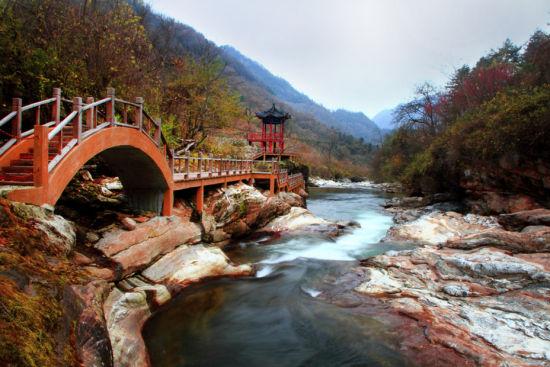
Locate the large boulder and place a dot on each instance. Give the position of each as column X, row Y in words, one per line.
column 125, row 315
column 438, row 227
column 521, row 219
column 240, row 209
column 83, row 307
column 299, row 219
column 60, row 232
column 134, row 250
column 189, row 264
column 535, row 240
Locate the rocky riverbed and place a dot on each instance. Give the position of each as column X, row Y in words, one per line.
column 129, row 264
column 474, row 291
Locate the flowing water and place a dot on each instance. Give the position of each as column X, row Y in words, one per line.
column 276, row 317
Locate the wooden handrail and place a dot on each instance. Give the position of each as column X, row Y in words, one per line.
column 94, row 104
column 37, row 104
column 61, row 125
column 8, row 117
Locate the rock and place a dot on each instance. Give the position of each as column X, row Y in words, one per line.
column 406, row 202
column 437, row 228
column 128, row 223
column 303, row 193
column 82, row 305
column 291, row 199
column 529, row 241
column 61, row 233
column 521, row 219
column 134, row 250
column 189, row 264
column 297, row 218
column 240, row 209
column 81, row 259
column 100, row 273
column 86, row 175
column 125, row 314
column 532, row 229
column 92, row 237
column 489, row 307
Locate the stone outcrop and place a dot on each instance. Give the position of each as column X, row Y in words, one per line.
column 61, row 233
column 189, row 264
column 134, row 250
column 521, row 219
column 83, row 305
column 240, row 209
column 486, row 305
column 297, row 219
column 438, row 227
column 534, row 240
column 133, row 301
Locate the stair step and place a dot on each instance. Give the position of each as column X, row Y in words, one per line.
column 16, row 183
column 17, row 169
column 16, row 177
column 31, row 155
column 27, row 161
column 51, row 150
column 21, row 162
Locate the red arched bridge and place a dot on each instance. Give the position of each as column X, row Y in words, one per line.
column 39, row 158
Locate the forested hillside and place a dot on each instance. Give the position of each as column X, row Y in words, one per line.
column 200, row 91
column 248, row 71
column 485, row 136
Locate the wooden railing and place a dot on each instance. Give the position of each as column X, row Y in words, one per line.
column 295, row 180
column 192, row 167
column 93, row 116
column 15, row 117
column 261, row 137
column 86, row 119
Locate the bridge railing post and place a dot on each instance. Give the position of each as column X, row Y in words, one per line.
column 40, row 157
column 17, row 103
column 111, row 106
column 77, row 122
column 90, row 114
column 56, row 107
column 219, row 166
column 171, row 160
column 209, row 165
column 187, row 157
column 200, row 165
column 138, row 113
column 158, row 132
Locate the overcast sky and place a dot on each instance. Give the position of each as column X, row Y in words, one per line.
column 362, row 55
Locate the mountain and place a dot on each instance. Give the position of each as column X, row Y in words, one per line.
column 332, row 143
column 352, row 123
column 384, row 119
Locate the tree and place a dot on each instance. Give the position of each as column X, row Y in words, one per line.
column 199, row 98
column 422, row 112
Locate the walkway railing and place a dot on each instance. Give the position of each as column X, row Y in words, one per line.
column 83, row 119
column 193, row 167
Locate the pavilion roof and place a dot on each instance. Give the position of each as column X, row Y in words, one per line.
column 273, row 114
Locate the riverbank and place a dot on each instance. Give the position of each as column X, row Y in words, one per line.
column 474, row 290
column 101, row 277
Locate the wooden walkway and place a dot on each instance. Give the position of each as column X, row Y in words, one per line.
column 44, row 150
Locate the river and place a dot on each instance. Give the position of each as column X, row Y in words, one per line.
column 277, row 317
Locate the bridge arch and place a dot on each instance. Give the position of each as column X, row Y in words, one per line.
column 140, row 164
